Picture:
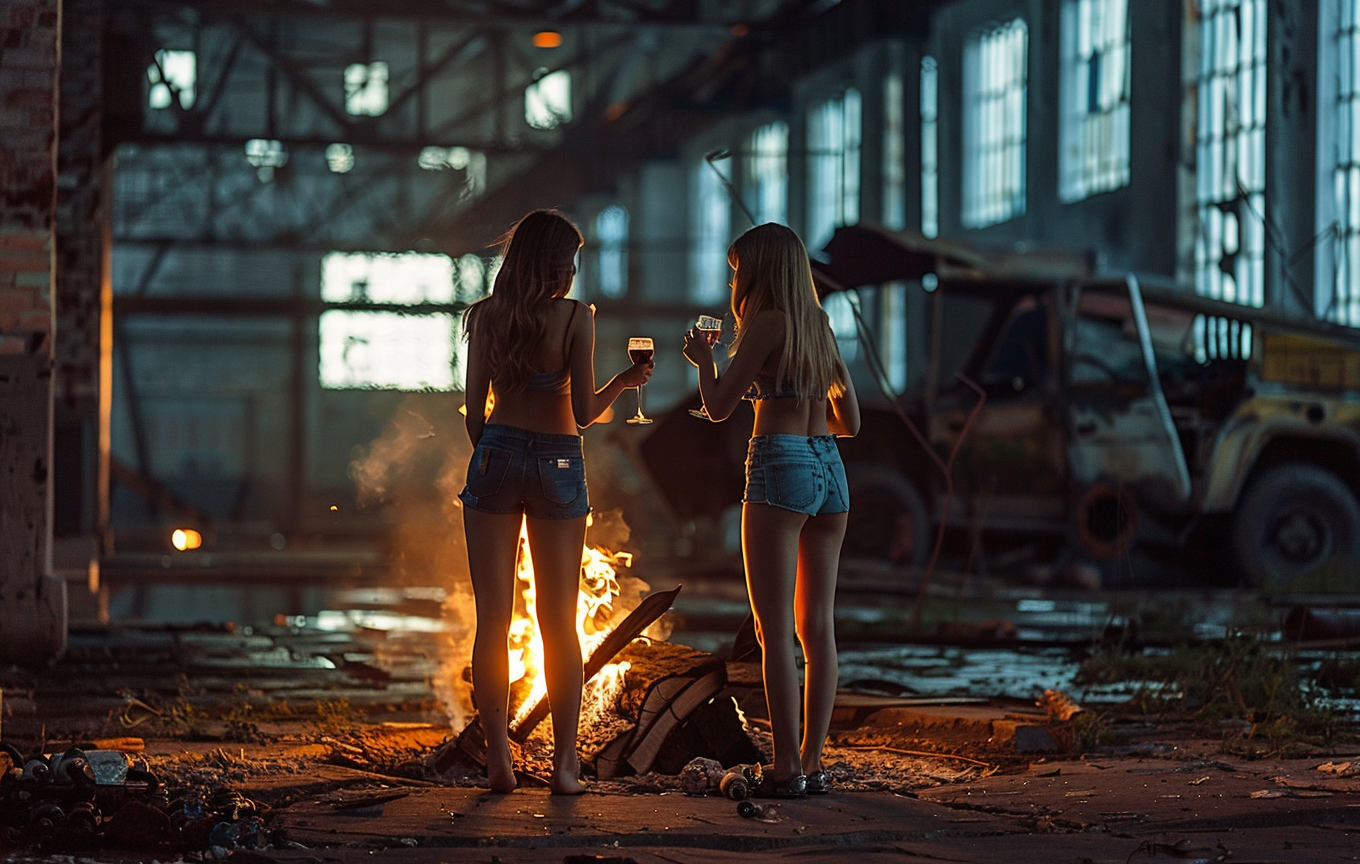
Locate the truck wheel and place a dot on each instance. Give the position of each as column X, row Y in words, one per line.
column 888, row 518
column 1294, row 519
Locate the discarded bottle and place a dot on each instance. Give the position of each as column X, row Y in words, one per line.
column 735, row 786
column 738, row 782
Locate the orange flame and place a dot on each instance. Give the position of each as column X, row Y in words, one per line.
column 595, row 613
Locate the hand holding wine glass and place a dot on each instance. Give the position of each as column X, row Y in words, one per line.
column 710, row 327
column 699, row 343
column 640, row 351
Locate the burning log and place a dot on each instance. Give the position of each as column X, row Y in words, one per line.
column 666, row 685
column 629, row 629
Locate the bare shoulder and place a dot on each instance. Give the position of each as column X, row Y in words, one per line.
column 563, row 308
column 768, row 324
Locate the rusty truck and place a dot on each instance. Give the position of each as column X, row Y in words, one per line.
column 1060, row 412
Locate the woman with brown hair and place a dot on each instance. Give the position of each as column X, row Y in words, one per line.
column 532, row 351
column 794, row 512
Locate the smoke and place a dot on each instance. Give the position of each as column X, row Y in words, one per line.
column 409, row 477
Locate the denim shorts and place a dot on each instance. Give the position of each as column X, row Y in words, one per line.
column 517, row 471
column 797, row 472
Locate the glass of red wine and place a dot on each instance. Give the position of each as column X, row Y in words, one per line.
column 640, row 350
column 711, row 327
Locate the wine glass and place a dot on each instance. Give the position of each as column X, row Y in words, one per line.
column 640, row 350
column 711, row 327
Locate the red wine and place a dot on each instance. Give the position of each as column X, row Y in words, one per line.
column 713, row 335
column 640, row 355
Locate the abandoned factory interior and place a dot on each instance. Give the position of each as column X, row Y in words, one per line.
column 279, row 302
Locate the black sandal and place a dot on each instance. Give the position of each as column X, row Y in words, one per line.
column 794, row 787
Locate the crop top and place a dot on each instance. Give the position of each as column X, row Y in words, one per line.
column 557, row 383
column 765, row 387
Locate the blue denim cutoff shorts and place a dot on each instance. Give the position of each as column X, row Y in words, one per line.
column 514, row 470
column 797, row 472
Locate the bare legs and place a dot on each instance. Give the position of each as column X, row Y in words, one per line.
column 493, row 541
column 791, row 562
column 556, row 548
column 819, row 550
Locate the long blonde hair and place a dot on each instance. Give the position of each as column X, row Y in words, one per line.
column 773, row 272
column 538, row 251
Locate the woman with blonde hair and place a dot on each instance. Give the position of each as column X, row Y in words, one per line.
column 794, row 512
column 533, row 351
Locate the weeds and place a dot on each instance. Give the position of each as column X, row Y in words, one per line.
column 1254, row 690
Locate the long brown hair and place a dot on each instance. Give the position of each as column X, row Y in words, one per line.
column 538, row 252
column 773, row 272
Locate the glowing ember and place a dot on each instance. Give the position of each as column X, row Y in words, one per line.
column 595, row 613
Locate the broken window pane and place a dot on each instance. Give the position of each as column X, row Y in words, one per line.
column 366, row 88
column 387, row 350
column 173, row 78
column 1230, row 149
column 1094, row 125
column 377, row 277
column 994, row 85
column 834, row 136
column 547, row 101
column 390, row 349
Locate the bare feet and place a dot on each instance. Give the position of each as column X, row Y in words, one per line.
column 501, row 775
column 566, row 779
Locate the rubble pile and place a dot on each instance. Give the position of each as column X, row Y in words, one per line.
column 84, row 799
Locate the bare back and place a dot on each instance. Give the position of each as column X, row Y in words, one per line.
column 537, row 410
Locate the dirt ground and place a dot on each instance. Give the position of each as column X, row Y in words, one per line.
column 263, row 752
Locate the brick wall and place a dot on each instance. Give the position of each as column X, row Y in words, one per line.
column 29, row 40
column 32, row 600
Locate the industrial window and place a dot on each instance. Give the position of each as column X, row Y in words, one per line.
column 841, row 315
column 1345, row 302
column 894, row 157
column 892, row 306
column 994, row 86
column 1230, row 151
column 710, row 225
column 1094, row 126
column 611, row 226
column 930, row 164
column 265, row 155
column 366, row 88
column 391, row 348
column 833, row 166
column 471, row 162
column 767, row 173
column 173, row 78
column 340, row 158
column 547, row 101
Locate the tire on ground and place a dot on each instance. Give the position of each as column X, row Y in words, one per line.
column 1292, row 521
column 888, row 518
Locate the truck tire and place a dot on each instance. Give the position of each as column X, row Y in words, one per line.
column 888, row 518
column 1294, row 519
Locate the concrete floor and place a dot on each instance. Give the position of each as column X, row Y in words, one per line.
column 935, row 771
